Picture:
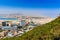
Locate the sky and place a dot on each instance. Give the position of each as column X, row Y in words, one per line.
column 50, row 8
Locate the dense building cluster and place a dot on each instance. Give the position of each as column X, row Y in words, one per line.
column 17, row 25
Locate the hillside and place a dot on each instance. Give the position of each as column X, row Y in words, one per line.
column 45, row 32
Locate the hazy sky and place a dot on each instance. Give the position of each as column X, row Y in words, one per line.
column 49, row 8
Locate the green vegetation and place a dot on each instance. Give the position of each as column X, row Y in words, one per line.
column 44, row 32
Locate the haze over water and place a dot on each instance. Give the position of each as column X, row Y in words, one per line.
column 50, row 8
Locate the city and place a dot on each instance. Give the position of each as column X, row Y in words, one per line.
column 29, row 19
column 18, row 25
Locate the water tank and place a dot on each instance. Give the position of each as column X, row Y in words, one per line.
column 3, row 23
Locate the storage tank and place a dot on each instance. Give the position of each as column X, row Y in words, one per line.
column 3, row 23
